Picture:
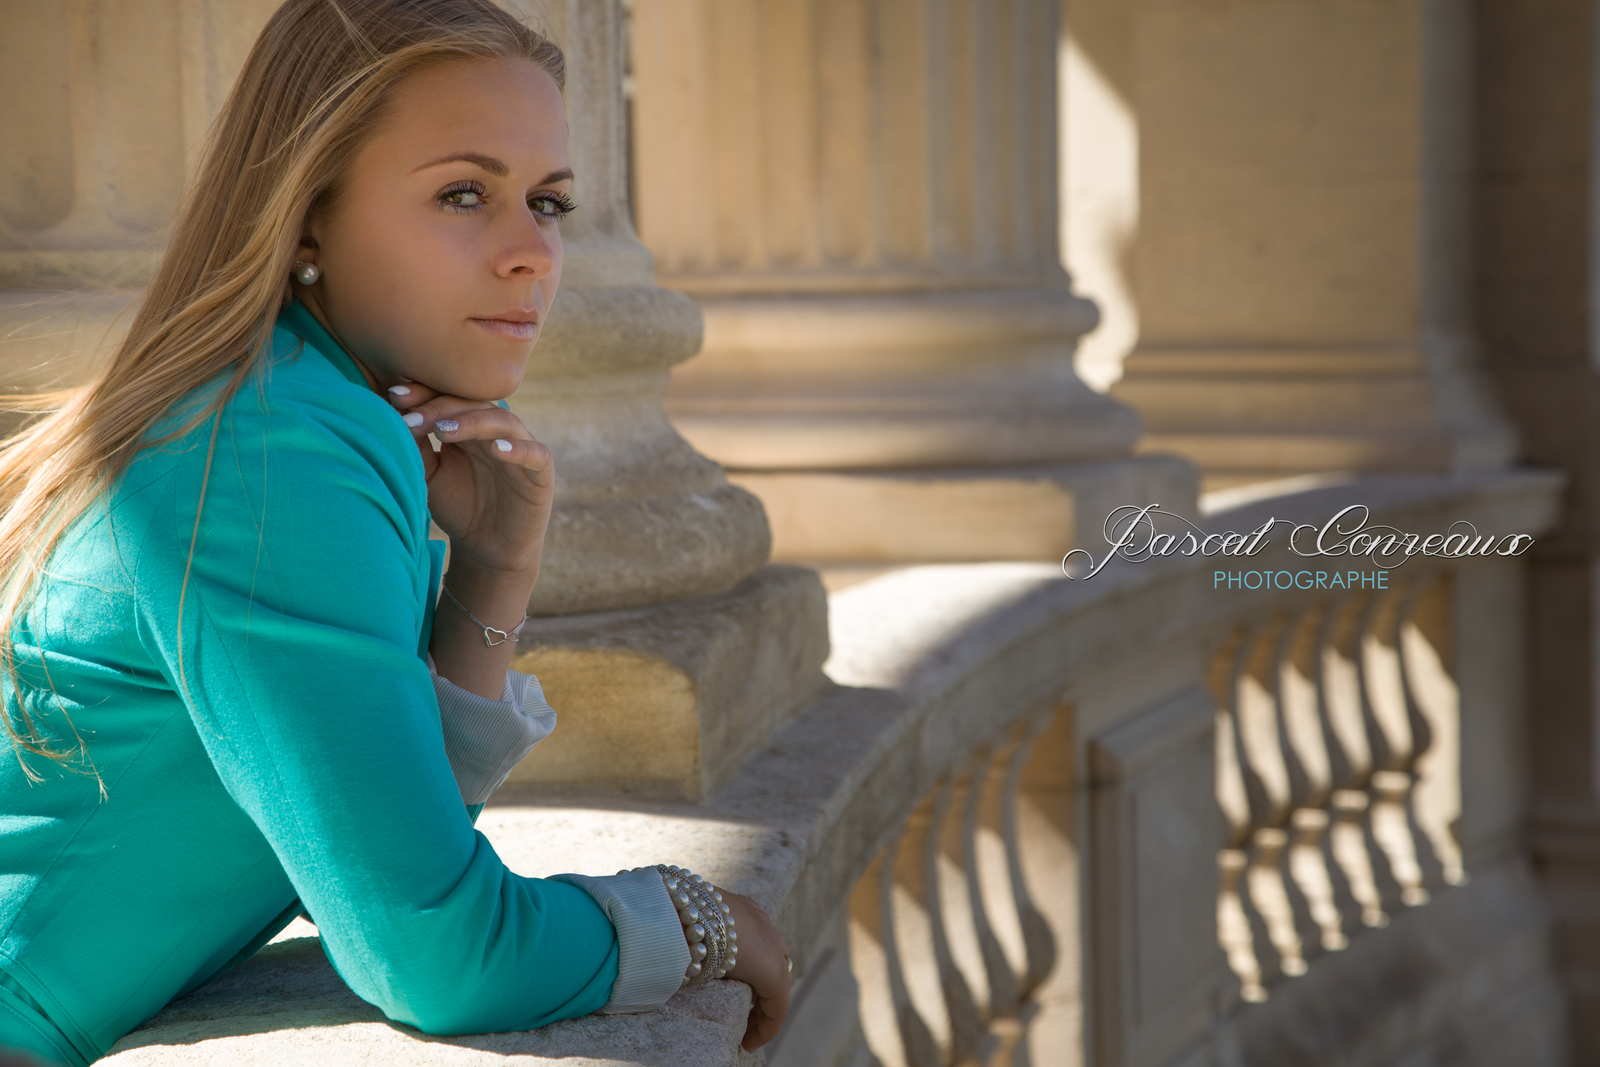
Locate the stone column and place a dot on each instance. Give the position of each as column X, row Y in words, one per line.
column 118, row 97
column 654, row 634
column 643, row 517
column 862, row 200
column 1538, row 189
column 1301, row 254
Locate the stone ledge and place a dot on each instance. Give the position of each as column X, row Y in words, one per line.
column 287, row 1005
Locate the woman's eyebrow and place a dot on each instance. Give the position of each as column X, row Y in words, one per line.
column 492, row 165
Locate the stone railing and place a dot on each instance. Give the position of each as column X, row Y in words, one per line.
column 1340, row 721
column 1124, row 820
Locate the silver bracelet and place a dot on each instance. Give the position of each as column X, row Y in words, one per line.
column 707, row 921
column 718, row 960
column 487, row 629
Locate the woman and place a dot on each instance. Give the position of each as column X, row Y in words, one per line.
column 220, row 584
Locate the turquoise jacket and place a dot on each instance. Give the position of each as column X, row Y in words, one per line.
column 299, row 763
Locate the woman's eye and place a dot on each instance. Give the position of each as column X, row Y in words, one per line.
column 469, row 190
column 562, row 204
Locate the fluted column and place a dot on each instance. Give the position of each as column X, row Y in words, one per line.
column 1538, row 191
column 862, row 200
column 643, row 516
column 693, row 675
column 112, row 103
column 1293, row 258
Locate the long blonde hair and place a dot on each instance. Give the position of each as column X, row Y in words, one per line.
column 312, row 90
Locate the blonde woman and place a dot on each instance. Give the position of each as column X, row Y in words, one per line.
column 231, row 694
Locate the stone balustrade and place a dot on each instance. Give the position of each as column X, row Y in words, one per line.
column 1129, row 819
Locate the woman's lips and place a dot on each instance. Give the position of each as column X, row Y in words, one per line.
column 517, row 331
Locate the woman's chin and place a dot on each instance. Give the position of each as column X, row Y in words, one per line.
column 492, row 379
column 498, row 389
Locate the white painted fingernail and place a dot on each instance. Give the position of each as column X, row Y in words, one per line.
column 400, row 390
column 502, row 444
column 414, row 419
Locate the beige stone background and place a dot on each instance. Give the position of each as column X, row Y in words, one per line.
column 875, row 310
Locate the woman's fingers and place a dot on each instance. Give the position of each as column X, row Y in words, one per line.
column 766, row 1019
column 474, row 424
column 761, row 966
column 502, row 431
column 452, row 418
column 408, row 393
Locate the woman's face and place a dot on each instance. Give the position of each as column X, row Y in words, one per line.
column 416, row 252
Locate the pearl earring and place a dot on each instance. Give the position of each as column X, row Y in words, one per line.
column 307, row 273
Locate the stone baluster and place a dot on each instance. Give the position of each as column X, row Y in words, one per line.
column 1388, row 726
column 1046, row 819
column 894, row 1027
column 1344, row 807
column 1041, row 950
column 1306, row 762
column 1420, row 783
column 1433, row 705
column 959, row 947
column 1238, row 924
column 1271, row 890
column 1374, row 892
column 915, row 911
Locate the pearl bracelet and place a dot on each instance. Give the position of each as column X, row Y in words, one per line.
column 707, row 920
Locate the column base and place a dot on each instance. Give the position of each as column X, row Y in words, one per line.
column 666, row 702
column 857, row 522
column 1252, row 415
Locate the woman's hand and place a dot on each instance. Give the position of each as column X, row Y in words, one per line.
column 494, row 504
column 763, row 966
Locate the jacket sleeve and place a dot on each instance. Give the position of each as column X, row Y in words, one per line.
column 484, row 740
column 291, row 638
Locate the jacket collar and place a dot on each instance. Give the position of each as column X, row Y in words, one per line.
column 298, row 320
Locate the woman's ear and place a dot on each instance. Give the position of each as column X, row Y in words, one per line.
column 310, row 236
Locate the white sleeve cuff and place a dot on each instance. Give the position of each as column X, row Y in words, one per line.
column 485, row 739
column 653, row 954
